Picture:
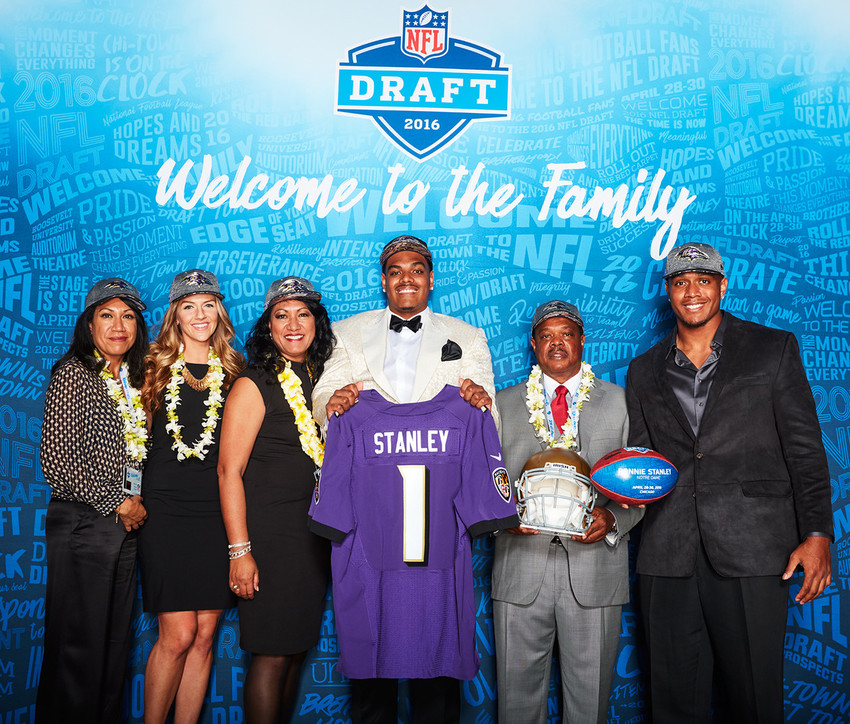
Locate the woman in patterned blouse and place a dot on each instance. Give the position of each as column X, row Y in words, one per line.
column 92, row 449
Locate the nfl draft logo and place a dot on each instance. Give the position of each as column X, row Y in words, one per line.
column 424, row 34
column 423, row 87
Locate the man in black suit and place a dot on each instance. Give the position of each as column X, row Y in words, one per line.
column 728, row 403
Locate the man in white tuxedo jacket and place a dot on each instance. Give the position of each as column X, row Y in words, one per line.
column 408, row 362
column 548, row 586
column 408, row 354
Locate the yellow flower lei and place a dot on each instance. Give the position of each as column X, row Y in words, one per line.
column 308, row 433
column 535, row 401
column 132, row 413
column 213, row 402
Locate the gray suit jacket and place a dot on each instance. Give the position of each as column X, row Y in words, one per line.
column 599, row 571
column 361, row 345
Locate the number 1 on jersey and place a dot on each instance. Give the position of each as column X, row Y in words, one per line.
column 415, row 502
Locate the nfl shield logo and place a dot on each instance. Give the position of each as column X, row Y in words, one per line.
column 423, row 87
column 424, row 33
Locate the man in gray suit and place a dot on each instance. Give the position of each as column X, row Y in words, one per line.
column 547, row 585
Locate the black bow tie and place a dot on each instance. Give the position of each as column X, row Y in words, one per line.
column 397, row 323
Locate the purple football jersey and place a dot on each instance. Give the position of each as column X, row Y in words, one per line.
column 402, row 490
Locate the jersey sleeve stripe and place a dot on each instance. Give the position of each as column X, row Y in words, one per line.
column 326, row 531
column 488, row 526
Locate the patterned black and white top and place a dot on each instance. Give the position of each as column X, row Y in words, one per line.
column 82, row 440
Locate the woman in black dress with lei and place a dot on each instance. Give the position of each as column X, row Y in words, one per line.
column 270, row 450
column 184, row 573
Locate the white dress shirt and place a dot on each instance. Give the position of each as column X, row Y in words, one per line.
column 401, row 356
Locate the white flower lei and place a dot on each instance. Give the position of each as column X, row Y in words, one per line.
column 535, row 400
column 213, row 403
column 308, row 434
column 132, row 413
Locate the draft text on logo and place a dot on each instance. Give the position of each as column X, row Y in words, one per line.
column 423, row 88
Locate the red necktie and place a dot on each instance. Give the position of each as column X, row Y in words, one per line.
column 560, row 409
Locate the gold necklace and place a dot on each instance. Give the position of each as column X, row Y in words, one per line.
column 197, row 384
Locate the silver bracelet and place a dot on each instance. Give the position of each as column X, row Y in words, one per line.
column 238, row 545
column 233, row 555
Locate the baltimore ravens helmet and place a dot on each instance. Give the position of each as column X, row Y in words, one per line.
column 554, row 492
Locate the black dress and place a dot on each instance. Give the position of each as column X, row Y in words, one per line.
column 285, row 614
column 183, row 544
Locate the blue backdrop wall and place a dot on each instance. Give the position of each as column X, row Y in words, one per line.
column 485, row 129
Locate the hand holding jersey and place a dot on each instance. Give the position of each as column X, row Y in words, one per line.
column 475, row 395
column 345, row 397
column 342, row 399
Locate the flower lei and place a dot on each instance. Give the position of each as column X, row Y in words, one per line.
column 132, row 413
column 213, row 403
column 308, row 434
column 535, row 400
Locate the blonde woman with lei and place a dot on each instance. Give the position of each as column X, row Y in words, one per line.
column 184, row 577
column 270, row 450
column 92, row 451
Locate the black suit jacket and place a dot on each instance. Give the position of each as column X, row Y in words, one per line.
column 755, row 479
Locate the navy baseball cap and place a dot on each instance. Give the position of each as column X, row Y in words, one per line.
column 556, row 308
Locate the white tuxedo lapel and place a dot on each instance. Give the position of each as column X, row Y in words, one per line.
column 434, row 336
column 373, row 335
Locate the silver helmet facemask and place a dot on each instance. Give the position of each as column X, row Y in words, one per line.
column 554, row 493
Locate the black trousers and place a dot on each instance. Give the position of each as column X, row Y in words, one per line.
column 91, row 580
column 375, row 701
column 707, row 628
